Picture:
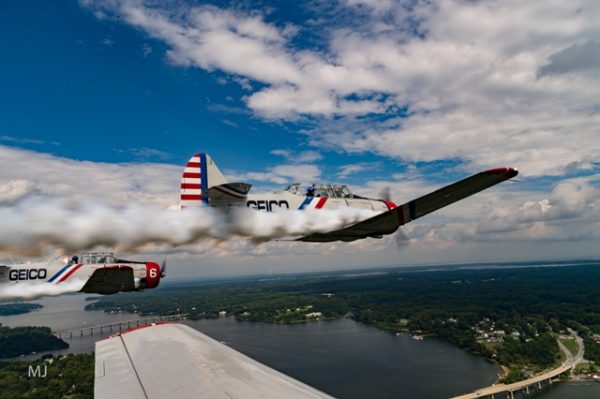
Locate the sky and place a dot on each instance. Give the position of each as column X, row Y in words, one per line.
column 106, row 100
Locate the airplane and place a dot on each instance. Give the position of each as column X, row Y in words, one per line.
column 98, row 272
column 203, row 184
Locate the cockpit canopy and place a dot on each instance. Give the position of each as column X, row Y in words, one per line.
column 92, row 258
column 321, row 190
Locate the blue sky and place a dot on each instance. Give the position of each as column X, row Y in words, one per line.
column 405, row 94
column 96, row 93
column 91, row 89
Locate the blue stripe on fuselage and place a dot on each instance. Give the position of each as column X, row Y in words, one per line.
column 60, row 272
column 306, row 202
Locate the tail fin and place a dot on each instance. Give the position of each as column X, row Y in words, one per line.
column 200, row 174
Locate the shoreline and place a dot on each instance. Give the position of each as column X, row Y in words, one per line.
column 505, row 371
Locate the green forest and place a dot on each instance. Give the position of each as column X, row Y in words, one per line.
column 70, row 376
column 24, row 340
column 11, row 309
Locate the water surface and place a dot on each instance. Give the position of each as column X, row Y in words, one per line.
column 341, row 357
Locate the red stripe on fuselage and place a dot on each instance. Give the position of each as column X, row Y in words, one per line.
column 66, row 276
column 192, row 175
column 321, row 202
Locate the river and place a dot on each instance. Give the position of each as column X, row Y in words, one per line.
column 341, row 357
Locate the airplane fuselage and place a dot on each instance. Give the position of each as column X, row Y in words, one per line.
column 272, row 202
column 59, row 272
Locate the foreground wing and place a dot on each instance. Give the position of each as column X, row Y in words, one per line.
column 109, row 280
column 175, row 361
column 388, row 222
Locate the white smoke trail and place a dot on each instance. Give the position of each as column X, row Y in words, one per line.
column 37, row 224
column 36, row 290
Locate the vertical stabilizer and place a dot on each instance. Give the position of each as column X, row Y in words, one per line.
column 200, row 174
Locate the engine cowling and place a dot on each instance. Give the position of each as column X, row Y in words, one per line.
column 152, row 275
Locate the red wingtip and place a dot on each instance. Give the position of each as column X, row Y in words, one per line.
column 503, row 171
column 390, row 205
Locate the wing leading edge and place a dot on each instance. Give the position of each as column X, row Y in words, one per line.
column 171, row 360
column 388, row 222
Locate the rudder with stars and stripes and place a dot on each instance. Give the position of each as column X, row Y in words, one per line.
column 200, row 174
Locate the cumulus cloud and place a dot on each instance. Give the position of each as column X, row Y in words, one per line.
column 281, row 174
column 298, row 156
column 579, row 57
column 14, row 190
column 347, row 170
column 125, row 183
column 443, row 79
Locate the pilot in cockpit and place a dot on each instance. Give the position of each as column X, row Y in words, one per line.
column 310, row 191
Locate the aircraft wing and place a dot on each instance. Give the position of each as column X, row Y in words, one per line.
column 388, row 222
column 169, row 360
column 109, row 280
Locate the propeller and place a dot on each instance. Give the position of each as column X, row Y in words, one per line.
column 385, row 193
column 163, row 268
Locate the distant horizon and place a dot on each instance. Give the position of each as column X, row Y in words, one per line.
column 369, row 269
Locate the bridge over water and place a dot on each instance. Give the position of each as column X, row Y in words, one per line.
column 536, row 382
column 508, row 390
column 117, row 326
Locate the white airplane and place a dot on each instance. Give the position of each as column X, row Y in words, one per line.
column 98, row 273
column 203, row 184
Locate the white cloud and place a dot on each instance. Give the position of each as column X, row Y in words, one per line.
column 281, row 152
column 146, row 153
column 108, row 42
column 119, row 184
column 14, row 190
column 482, row 81
column 347, row 170
column 146, row 50
column 510, row 217
column 299, row 156
column 280, row 174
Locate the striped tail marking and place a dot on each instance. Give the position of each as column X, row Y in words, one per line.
column 194, row 182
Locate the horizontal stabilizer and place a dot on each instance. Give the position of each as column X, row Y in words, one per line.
column 229, row 191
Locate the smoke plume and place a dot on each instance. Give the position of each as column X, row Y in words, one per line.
column 35, row 290
column 37, row 224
